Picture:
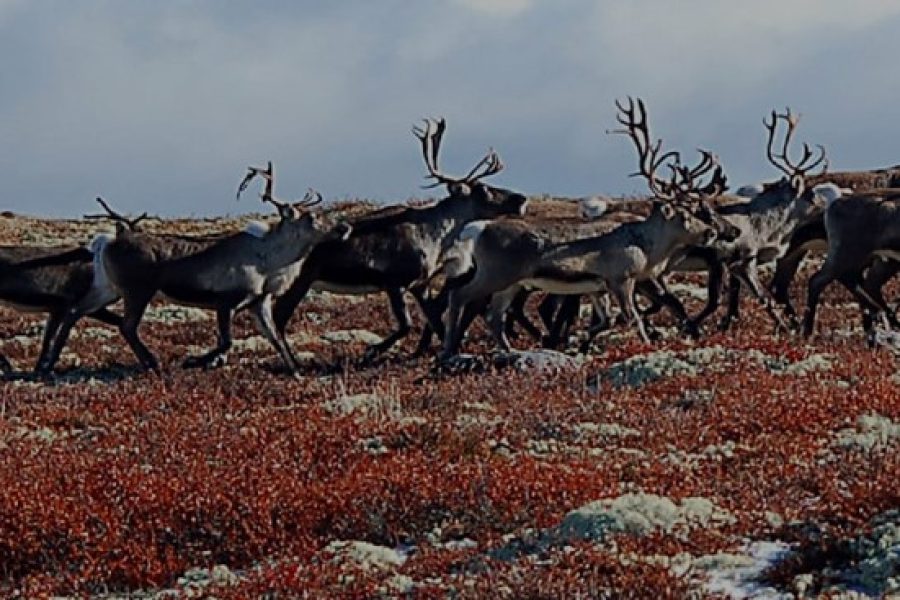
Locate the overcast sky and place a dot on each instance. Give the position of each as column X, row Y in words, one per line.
column 159, row 106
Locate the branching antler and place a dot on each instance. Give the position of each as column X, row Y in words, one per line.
column 430, row 135
column 115, row 216
column 312, row 197
column 684, row 181
column 781, row 161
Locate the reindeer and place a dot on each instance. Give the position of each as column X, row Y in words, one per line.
column 509, row 256
column 811, row 237
column 860, row 227
column 55, row 280
column 401, row 249
column 768, row 221
column 244, row 270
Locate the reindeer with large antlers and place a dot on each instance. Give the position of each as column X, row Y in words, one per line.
column 508, row 256
column 768, row 221
column 226, row 273
column 400, row 249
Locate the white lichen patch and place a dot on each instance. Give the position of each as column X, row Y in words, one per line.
column 546, row 361
column 640, row 369
column 871, row 432
column 343, row 336
column 639, row 514
column 176, row 314
column 366, row 405
column 713, row 452
column 195, row 581
column 605, row 430
column 365, row 555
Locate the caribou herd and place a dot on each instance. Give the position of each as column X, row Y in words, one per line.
column 479, row 252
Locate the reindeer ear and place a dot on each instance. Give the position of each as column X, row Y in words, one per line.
column 798, row 184
column 667, row 210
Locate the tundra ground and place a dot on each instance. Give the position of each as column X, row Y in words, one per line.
column 743, row 464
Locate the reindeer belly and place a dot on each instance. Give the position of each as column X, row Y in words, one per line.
column 279, row 282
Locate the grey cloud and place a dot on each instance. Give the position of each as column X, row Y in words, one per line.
column 160, row 106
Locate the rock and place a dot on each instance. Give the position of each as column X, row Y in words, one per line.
column 365, row 555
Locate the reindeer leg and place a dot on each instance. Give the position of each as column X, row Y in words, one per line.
column 218, row 356
column 750, row 277
column 5, row 365
column 398, row 306
column 517, row 314
column 716, row 273
column 134, row 312
column 262, row 313
column 734, row 301
column 624, row 293
column 56, row 336
column 432, row 308
column 287, row 303
column 658, row 293
column 558, row 326
column 785, row 271
column 600, row 320
column 54, row 320
column 817, row 285
column 496, row 316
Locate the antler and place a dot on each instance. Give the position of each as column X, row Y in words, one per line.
column 689, row 182
column 115, row 216
column 785, row 165
column 311, row 198
column 685, row 181
column 430, row 136
column 634, row 119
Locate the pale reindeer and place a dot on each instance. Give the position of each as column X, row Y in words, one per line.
column 509, row 256
column 226, row 273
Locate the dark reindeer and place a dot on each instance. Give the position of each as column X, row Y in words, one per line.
column 400, row 249
column 860, row 228
column 54, row 280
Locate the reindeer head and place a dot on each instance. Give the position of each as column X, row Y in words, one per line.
column 122, row 222
column 296, row 220
column 793, row 187
column 684, row 197
column 486, row 200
